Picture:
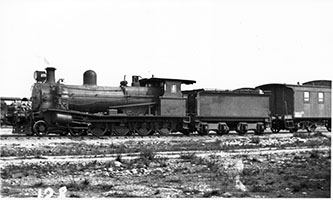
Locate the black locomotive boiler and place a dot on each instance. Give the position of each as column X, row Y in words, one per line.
column 148, row 105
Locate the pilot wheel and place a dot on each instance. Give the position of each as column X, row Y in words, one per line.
column 40, row 128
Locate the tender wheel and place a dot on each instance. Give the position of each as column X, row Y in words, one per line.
column 120, row 130
column 144, row 130
column 260, row 129
column 40, row 128
column 164, row 130
column 97, row 129
column 222, row 129
column 241, row 128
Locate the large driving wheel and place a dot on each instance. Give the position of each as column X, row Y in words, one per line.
column 165, row 129
column 40, row 128
column 144, row 129
column 98, row 129
column 120, row 130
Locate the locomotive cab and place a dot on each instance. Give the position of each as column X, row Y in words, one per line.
column 171, row 101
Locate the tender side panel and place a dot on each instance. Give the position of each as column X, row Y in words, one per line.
column 232, row 105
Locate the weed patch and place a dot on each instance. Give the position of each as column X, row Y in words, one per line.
column 147, row 156
column 75, row 185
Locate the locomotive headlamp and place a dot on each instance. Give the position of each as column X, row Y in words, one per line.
column 40, row 76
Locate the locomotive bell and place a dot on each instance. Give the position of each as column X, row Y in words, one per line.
column 89, row 78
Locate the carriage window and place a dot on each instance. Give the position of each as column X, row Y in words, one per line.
column 306, row 97
column 320, row 97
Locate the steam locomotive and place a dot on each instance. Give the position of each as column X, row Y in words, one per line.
column 151, row 105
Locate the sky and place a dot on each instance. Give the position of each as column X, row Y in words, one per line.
column 218, row 43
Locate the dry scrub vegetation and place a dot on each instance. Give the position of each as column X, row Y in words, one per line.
column 288, row 174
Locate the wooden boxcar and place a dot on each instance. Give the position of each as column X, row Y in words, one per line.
column 221, row 111
column 303, row 106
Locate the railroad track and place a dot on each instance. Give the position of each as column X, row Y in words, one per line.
column 164, row 154
column 231, row 134
column 5, row 138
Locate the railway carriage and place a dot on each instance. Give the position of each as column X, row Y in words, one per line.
column 298, row 106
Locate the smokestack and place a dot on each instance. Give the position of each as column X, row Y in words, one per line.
column 50, row 75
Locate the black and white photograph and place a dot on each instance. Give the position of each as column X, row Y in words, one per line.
column 165, row 98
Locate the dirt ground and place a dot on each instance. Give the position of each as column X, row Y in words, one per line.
column 241, row 173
